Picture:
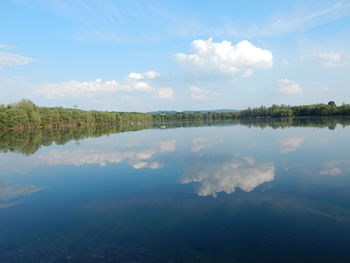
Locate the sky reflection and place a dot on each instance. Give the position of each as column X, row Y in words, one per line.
column 215, row 177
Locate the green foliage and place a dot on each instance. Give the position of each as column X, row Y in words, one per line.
column 26, row 114
column 196, row 116
column 332, row 103
column 329, row 109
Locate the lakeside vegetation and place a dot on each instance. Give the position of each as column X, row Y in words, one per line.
column 321, row 109
column 26, row 114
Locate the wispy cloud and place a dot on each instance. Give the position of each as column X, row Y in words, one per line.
column 10, row 191
column 5, row 46
column 286, row 23
column 307, row 21
column 330, row 59
column 8, row 59
column 200, row 94
column 124, row 21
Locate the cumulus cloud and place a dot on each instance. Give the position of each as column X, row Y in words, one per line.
column 289, row 86
column 290, row 144
column 243, row 173
column 211, row 57
column 8, row 59
column 330, row 59
column 200, row 94
column 134, row 82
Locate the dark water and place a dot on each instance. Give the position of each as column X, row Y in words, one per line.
column 248, row 191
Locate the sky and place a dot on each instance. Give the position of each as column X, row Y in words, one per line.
column 140, row 55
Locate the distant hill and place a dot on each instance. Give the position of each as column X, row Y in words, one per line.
column 193, row 111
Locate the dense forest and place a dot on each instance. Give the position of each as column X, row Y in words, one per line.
column 26, row 114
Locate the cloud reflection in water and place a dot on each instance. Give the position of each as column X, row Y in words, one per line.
column 10, row 191
column 335, row 167
column 243, row 173
column 137, row 158
column 290, row 144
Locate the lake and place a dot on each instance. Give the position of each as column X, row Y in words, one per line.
column 240, row 191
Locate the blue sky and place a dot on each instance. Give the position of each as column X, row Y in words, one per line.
column 174, row 55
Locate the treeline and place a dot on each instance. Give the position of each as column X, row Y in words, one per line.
column 196, row 116
column 27, row 114
column 320, row 110
column 330, row 109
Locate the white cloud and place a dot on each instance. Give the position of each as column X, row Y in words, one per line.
column 146, row 75
column 134, row 82
column 75, row 88
column 243, row 173
column 165, row 93
column 225, row 58
column 290, row 144
column 199, row 94
column 330, row 59
column 8, row 60
column 289, row 86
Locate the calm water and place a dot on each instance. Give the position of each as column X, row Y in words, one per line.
column 276, row 191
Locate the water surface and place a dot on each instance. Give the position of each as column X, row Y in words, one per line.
column 243, row 191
